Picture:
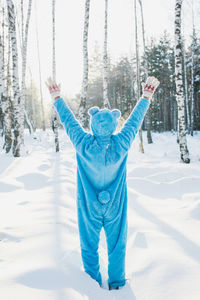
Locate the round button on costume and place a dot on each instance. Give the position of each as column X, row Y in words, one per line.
column 101, row 184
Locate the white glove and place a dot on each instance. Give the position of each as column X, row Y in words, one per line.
column 54, row 89
column 149, row 87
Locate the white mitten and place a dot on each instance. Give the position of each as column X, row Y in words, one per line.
column 54, row 89
column 149, row 87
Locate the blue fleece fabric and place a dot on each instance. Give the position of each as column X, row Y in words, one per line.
column 101, row 184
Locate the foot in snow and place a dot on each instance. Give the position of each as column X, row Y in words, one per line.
column 114, row 287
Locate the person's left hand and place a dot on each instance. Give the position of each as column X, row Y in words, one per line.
column 54, row 89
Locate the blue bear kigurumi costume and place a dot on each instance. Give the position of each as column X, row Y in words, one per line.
column 101, row 184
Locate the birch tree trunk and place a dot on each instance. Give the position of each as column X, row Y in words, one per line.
column 105, row 59
column 5, row 103
column 1, row 81
column 83, row 105
column 24, row 33
column 148, row 115
column 8, row 83
column 33, row 111
column 2, row 71
column 192, row 75
column 192, row 83
column 186, row 89
column 18, row 100
column 40, row 77
column 179, row 85
column 22, row 25
column 141, row 148
column 54, row 114
column 192, row 96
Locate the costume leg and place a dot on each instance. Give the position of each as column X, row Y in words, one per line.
column 116, row 234
column 89, row 237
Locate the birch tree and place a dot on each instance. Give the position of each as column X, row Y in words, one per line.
column 18, row 101
column 24, row 37
column 192, row 93
column 192, row 76
column 83, row 104
column 179, row 84
column 39, row 67
column 4, row 97
column 148, row 115
column 186, row 87
column 141, row 148
column 32, row 103
column 1, row 78
column 105, row 59
column 54, row 114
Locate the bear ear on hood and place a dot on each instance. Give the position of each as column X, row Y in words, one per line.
column 93, row 110
column 116, row 113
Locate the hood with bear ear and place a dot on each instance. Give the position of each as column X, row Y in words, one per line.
column 103, row 121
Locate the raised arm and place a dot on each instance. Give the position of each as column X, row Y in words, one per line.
column 72, row 126
column 132, row 125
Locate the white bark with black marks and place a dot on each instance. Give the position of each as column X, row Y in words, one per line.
column 179, row 84
column 54, row 119
column 24, row 43
column 24, row 32
column 192, row 77
column 82, row 114
column 40, row 76
column 141, row 148
column 5, row 103
column 28, row 122
column 1, row 68
column 33, row 110
column 192, row 95
column 18, row 102
column 105, row 59
column 148, row 115
column 53, row 44
column 186, row 88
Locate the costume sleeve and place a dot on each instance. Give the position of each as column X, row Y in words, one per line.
column 132, row 125
column 72, row 126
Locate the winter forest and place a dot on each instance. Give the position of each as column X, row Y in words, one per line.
column 101, row 52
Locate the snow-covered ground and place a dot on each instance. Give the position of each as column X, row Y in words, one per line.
column 39, row 242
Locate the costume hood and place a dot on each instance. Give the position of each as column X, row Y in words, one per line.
column 103, row 122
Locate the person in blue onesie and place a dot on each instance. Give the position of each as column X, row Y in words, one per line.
column 101, row 179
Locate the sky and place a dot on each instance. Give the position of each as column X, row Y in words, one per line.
column 158, row 16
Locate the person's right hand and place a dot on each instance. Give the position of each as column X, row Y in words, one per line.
column 54, row 89
column 149, row 87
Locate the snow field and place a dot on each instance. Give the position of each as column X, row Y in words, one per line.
column 39, row 243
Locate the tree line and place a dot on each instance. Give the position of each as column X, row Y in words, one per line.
column 161, row 64
column 176, row 105
column 172, row 106
column 20, row 105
